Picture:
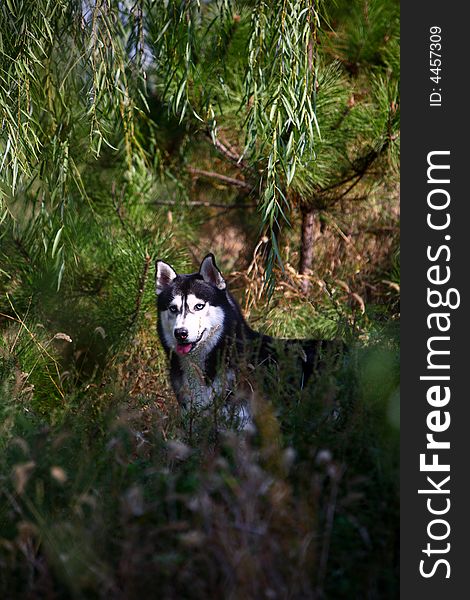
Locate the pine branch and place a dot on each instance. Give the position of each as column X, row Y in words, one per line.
column 358, row 172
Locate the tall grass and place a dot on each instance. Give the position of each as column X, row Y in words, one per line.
column 126, row 139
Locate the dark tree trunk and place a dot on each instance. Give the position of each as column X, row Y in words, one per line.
column 310, row 229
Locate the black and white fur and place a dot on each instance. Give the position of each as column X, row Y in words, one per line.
column 206, row 338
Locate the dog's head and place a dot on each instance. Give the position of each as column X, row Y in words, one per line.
column 190, row 307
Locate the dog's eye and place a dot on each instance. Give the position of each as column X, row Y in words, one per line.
column 173, row 309
column 199, row 306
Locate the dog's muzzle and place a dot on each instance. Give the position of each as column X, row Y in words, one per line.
column 181, row 334
column 184, row 347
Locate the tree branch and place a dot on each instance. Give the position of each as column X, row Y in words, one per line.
column 201, row 203
column 228, row 151
column 218, row 176
column 358, row 171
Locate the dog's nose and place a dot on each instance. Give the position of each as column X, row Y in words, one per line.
column 181, row 334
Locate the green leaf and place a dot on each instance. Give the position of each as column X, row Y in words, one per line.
column 56, row 241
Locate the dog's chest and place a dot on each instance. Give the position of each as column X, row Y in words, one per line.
column 196, row 391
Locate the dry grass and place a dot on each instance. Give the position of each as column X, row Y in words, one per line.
column 355, row 254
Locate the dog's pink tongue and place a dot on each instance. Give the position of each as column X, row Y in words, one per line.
column 183, row 348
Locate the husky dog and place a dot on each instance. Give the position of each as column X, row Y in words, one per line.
column 208, row 342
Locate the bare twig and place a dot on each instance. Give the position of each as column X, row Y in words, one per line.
column 359, row 171
column 140, row 291
column 201, row 203
column 218, row 176
column 229, row 152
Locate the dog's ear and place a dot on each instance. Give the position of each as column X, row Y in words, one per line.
column 164, row 276
column 210, row 273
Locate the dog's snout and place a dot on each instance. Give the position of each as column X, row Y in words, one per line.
column 181, row 334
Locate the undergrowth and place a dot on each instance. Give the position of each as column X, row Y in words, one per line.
column 138, row 131
column 103, row 494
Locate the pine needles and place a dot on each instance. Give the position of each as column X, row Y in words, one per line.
column 132, row 131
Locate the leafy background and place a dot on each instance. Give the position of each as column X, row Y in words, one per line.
column 268, row 134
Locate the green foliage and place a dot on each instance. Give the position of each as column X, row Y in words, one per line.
column 364, row 34
column 118, row 121
column 281, row 126
column 304, row 118
column 268, row 91
column 59, row 107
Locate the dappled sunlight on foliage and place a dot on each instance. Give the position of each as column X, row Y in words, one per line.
column 139, row 131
